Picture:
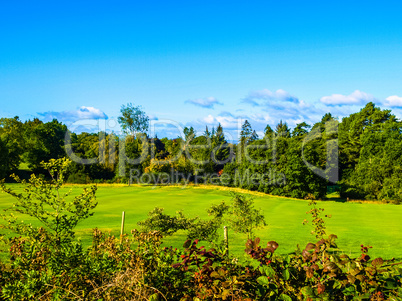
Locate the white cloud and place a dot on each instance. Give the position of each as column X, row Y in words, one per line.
column 153, row 117
column 90, row 113
column 209, row 119
column 280, row 105
column 207, row 102
column 258, row 98
column 227, row 121
column 263, row 118
column 356, row 98
column 71, row 116
column 393, row 101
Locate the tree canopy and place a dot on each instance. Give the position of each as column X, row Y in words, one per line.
column 133, row 119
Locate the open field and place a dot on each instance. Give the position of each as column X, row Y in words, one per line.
column 378, row 225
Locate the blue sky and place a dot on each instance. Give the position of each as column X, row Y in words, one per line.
column 199, row 63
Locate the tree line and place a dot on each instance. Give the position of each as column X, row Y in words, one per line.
column 360, row 155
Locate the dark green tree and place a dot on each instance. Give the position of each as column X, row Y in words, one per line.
column 199, row 153
column 254, row 136
column 189, row 133
column 300, row 129
column 11, row 134
column 268, row 131
column 207, row 133
column 362, row 137
column 324, row 120
column 246, row 133
column 3, row 160
column 220, row 148
column 45, row 141
column 282, row 129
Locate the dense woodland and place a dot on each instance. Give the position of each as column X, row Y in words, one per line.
column 368, row 145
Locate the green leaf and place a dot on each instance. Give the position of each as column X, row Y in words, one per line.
column 263, row 280
column 391, row 284
column 285, row 297
column 308, row 291
column 350, row 290
column 286, row 274
column 269, row 271
column 255, row 264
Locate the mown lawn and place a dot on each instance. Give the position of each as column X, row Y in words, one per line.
column 378, row 225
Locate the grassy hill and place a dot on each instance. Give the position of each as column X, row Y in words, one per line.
column 372, row 224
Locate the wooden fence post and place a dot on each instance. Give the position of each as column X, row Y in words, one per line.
column 226, row 239
column 122, row 226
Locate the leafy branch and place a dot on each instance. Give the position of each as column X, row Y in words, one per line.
column 317, row 221
column 43, row 200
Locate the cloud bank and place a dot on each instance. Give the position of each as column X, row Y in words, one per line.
column 273, row 106
column 207, row 103
column 355, row 98
column 75, row 115
column 393, row 101
column 262, row 97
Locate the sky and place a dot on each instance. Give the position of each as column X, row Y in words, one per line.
column 198, row 63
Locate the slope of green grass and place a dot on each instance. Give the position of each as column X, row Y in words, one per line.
column 378, row 225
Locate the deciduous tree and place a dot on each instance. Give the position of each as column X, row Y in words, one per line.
column 133, row 119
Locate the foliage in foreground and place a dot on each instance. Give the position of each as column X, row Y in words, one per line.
column 48, row 263
column 138, row 268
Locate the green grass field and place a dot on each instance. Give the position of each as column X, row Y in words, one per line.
column 378, row 225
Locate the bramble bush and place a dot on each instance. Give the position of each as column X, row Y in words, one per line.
column 138, row 268
column 48, row 263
